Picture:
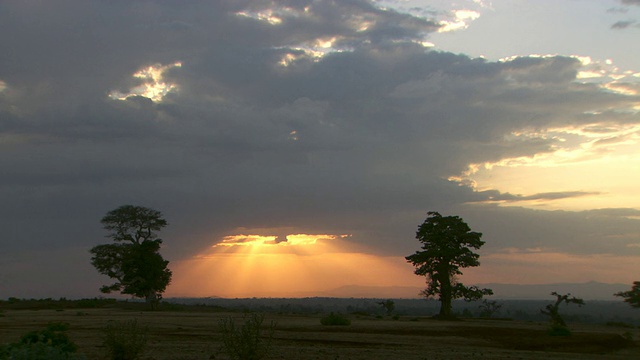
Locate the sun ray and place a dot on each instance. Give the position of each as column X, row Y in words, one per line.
column 299, row 265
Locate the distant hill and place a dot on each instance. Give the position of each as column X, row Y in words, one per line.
column 589, row 291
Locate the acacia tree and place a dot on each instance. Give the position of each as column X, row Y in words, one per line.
column 632, row 297
column 446, row 248
column 133, row 260
column 553, row 311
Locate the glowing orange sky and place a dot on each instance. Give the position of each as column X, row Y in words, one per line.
column 305, row 265
column 308, row 265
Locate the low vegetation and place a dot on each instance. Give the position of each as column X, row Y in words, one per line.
column 208, row 332
column 51, row 342
column 125, row 340
column 247, row 341
column 335, row 320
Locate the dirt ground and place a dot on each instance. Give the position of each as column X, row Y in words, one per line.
column 196, row 335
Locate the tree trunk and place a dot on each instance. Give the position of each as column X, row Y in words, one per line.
column 152, row 300
column 445, row 295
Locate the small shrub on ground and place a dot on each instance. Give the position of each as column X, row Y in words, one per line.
column 53, row 335
column 335, row 319
column 125, row 340
column 50, row 343
column 247, row 341
column 558, row 330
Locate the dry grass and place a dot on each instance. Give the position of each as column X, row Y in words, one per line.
column 196, row 335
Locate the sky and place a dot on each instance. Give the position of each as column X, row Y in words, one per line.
column 294, row 146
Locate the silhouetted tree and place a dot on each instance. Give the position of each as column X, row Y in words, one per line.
column 553, row 310
column 446, row 248
column 388, row 305
column 632, row 296
column 133, row 260
column 489, row 308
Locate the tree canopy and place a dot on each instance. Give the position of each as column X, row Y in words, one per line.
column 133, row 260
column 446, row 248
column 632, row 297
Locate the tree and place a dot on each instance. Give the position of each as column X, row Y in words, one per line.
column 446, row 248
column 388, row 305
column 133, row 260
column 632, row 296
column 489, row 308
column 558, row 325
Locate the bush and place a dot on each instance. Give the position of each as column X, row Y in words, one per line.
column 50, row 343
column 125, row 340
column 246, row 342
column 36, row 351
column 53, row 336
column 335, row 319
column 559, row 331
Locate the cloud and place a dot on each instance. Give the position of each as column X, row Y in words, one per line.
column 496, row 196
column 623, row 24
column 593, row 232
column 356, row 138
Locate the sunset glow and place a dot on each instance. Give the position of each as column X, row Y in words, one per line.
column 294, row 147
column 303, row 265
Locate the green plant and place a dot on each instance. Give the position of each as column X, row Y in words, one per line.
column 50, row 343
column 335, row 319
column 125, row 340
column 53, row 336
column 246, row 342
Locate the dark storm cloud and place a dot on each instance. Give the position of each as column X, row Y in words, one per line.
column 631, row 2
column 357, row 142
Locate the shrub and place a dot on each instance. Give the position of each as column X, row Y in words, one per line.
column 246, row 342
column 50, row 343
column 558, row 330
column 36, row 351
column 125, row 340
column 53, row 336
column 335, row 319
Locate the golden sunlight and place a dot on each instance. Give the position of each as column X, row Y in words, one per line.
column 598, row 161
column 153, row 86
column 296, row 265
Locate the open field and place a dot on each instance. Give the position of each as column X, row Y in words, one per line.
column 182, row 335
